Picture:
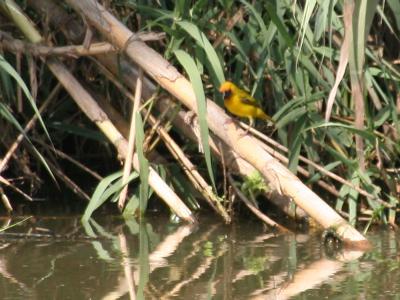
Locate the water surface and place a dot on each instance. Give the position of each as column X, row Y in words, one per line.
column 112, row 258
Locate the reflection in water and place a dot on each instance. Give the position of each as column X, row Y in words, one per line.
column 310, row 277
column 115, row 258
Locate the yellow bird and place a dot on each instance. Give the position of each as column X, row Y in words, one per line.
column 242, row 104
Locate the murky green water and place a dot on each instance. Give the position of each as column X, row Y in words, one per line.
column 58, row 258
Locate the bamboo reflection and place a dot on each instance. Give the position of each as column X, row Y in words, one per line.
column 178, row 281
column 127, row 266
column 147, row 262
column 219, row 262
column 310, row 277
column 257, row 240
column 13, row 280
column 200, row 270
column 168, row 246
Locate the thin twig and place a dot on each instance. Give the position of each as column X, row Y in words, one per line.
column 9, row 184
column 71, row 160
column 5, row 200
column 18, row 46
column 191, row 171
column 69, row 182
column 238, row 16
column 254, row 209
column 198, row 181
column 28, row 127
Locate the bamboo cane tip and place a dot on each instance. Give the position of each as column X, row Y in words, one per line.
column 192, row 220
column 362, row 245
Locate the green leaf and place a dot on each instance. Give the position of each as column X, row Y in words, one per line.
column 114, row 189
column 321, row 19
column 11, row 71
column 132, row 205
column 308, row 9
column 144, row 264
column 202, row 40
column 96, row 201
column 295, row 146
column 395, row 7
column 257, row 16
column 352, row 200
column 107, row 187
column 282, row 28
column 189, row 65
column 143, row 164
column 288, row 118
column 68, row 128
column 365, row 134
column 5, row 112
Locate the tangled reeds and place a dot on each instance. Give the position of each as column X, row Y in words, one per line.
column 113, row 74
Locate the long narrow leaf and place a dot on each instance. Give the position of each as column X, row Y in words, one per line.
column 343, row 61
column 11, row 71
column 144, row 264
column 308, row 9
column 257, row 16
column 4, row 111
column 96, row 201
column 188, row 63
column 202, row 40
column 143, row 164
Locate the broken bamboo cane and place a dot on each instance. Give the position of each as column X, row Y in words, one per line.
column 90, row 107
column 220, row 123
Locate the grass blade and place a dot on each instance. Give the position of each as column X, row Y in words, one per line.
column 203, row 42
column 189, row 65
column 107, row 187
column 144, row 265
column 11, row 71
column 143, row 165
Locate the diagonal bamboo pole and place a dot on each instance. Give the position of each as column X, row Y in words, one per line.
column 93, row 111
column 235, row 163
column 222, row 125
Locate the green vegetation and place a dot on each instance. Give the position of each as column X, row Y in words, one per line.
column 327, row 72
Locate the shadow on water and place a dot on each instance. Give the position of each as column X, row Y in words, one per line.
column 113, row 258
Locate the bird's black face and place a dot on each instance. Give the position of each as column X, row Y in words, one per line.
column 226, row 94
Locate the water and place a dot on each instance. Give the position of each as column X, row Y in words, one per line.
column 110, row 258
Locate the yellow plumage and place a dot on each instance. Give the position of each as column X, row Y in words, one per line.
column 241, row 104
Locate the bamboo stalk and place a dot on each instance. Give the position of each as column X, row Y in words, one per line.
column 5, row 200
column 188, row 167
column 320, row 168
column 89, row 106
column 191, row 171
column 233, row 161
column 6, row 182
column 222, row 125
column 17, row 46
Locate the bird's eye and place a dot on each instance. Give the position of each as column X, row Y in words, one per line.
column 227, row 94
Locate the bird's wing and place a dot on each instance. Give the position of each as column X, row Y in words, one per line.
column 247, row 99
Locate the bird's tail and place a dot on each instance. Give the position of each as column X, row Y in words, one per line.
column 263, row 116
